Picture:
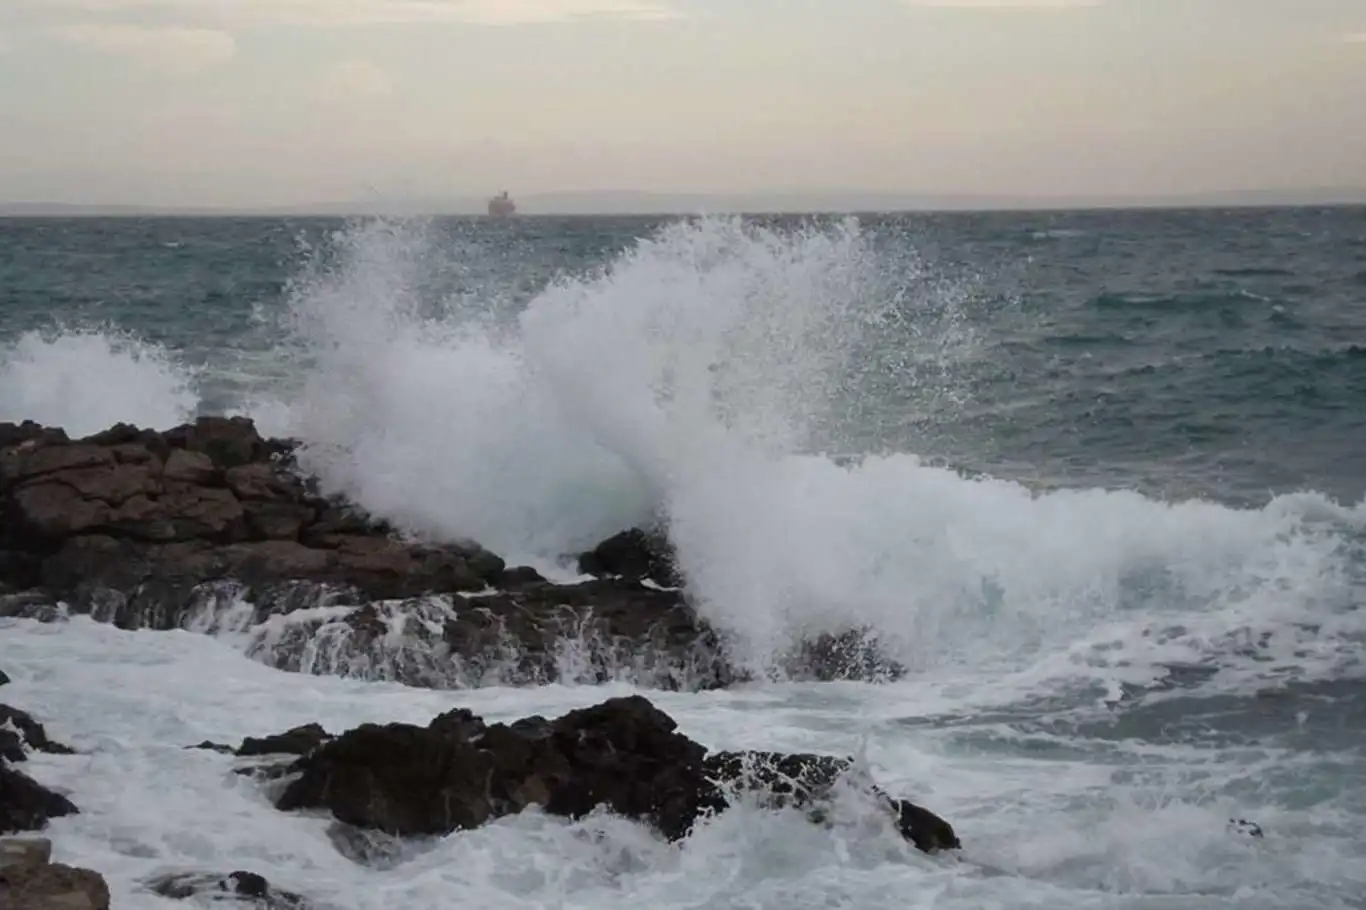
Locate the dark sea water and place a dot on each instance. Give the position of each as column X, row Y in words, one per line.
column 1097, row 477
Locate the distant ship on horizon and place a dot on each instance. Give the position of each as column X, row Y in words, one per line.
column 502, row 206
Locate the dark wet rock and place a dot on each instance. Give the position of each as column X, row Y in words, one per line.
column 624, row 754
column 240, row 888
column 854, row 655
column 208, row 746
column 4, row 678
column 298, row 741
column 519, row 577
column 26, row 805
column 1243, row 826
column 29, row 731
column 635, row 554
column 32, row 604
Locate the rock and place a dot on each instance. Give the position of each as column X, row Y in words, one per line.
column 184, row 466
column 1243, row 826
column 228, row 441
column 29, row 731
column 25, row 851
column 37, row 605
column 298, row 741
column 624, row 754
column 4, row 678
column 634, row 554
column 26, row 805
column 52, row 886
column 519, row 577
column 850, row 655
column 245, row 888
column 364, row 847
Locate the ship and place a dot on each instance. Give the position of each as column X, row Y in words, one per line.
column 502, row 206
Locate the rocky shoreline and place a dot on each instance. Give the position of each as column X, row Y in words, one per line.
column 384, row 784
column 210, row 527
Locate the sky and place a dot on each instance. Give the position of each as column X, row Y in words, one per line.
column 279, row 102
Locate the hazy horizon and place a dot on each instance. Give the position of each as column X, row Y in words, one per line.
column 270, row 105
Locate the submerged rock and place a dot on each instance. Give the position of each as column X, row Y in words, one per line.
column 240, row 888
column 624, row 754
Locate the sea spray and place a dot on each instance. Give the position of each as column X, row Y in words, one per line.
column 693, row 378
column 89, row 378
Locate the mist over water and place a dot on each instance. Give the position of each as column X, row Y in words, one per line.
column 1042, row 506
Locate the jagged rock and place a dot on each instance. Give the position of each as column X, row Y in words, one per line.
column 852, row 655
column 52, row 886
column 624, row 754
column 243, row 888
column 298, row 741
column 26, row 805
column 4, row 678
column 634, row 554
column 28, row 732
column 518, row 577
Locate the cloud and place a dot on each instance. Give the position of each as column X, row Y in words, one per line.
column 167, row 48
column 353, row 79
column 1005, row 4
column 355, row 13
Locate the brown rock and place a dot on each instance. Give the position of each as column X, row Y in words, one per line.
column 113, row 484
column 55, row 510
column 228, row 441
column 189, row 467
column 52, row 886
column 21, row 463
column 276, row 520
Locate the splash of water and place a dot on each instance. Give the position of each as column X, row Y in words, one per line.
column 696, row 379
column 85, row 380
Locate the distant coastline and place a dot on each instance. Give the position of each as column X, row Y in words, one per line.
column 627, row 203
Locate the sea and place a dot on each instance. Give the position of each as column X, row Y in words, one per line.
column 1098, row 479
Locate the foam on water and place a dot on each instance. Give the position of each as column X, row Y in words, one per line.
column 85, row 380
column 694, row 378
column 1110, row 825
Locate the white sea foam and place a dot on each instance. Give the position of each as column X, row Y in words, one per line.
column 1072, row 825
column 86, row 380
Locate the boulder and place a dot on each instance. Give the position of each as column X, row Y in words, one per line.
column 4, row 678
column 298, row 741
column 52, row 886
column 635, row 554
column 624, row 754
column 241, row 888
column 26, row 805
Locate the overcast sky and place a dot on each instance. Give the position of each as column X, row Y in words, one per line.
column 267, row 101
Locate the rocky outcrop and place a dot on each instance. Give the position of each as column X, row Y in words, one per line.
column 636, row 554
column 209, row 525
column 624, row 754
column 29, row 880
column 242, row 889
